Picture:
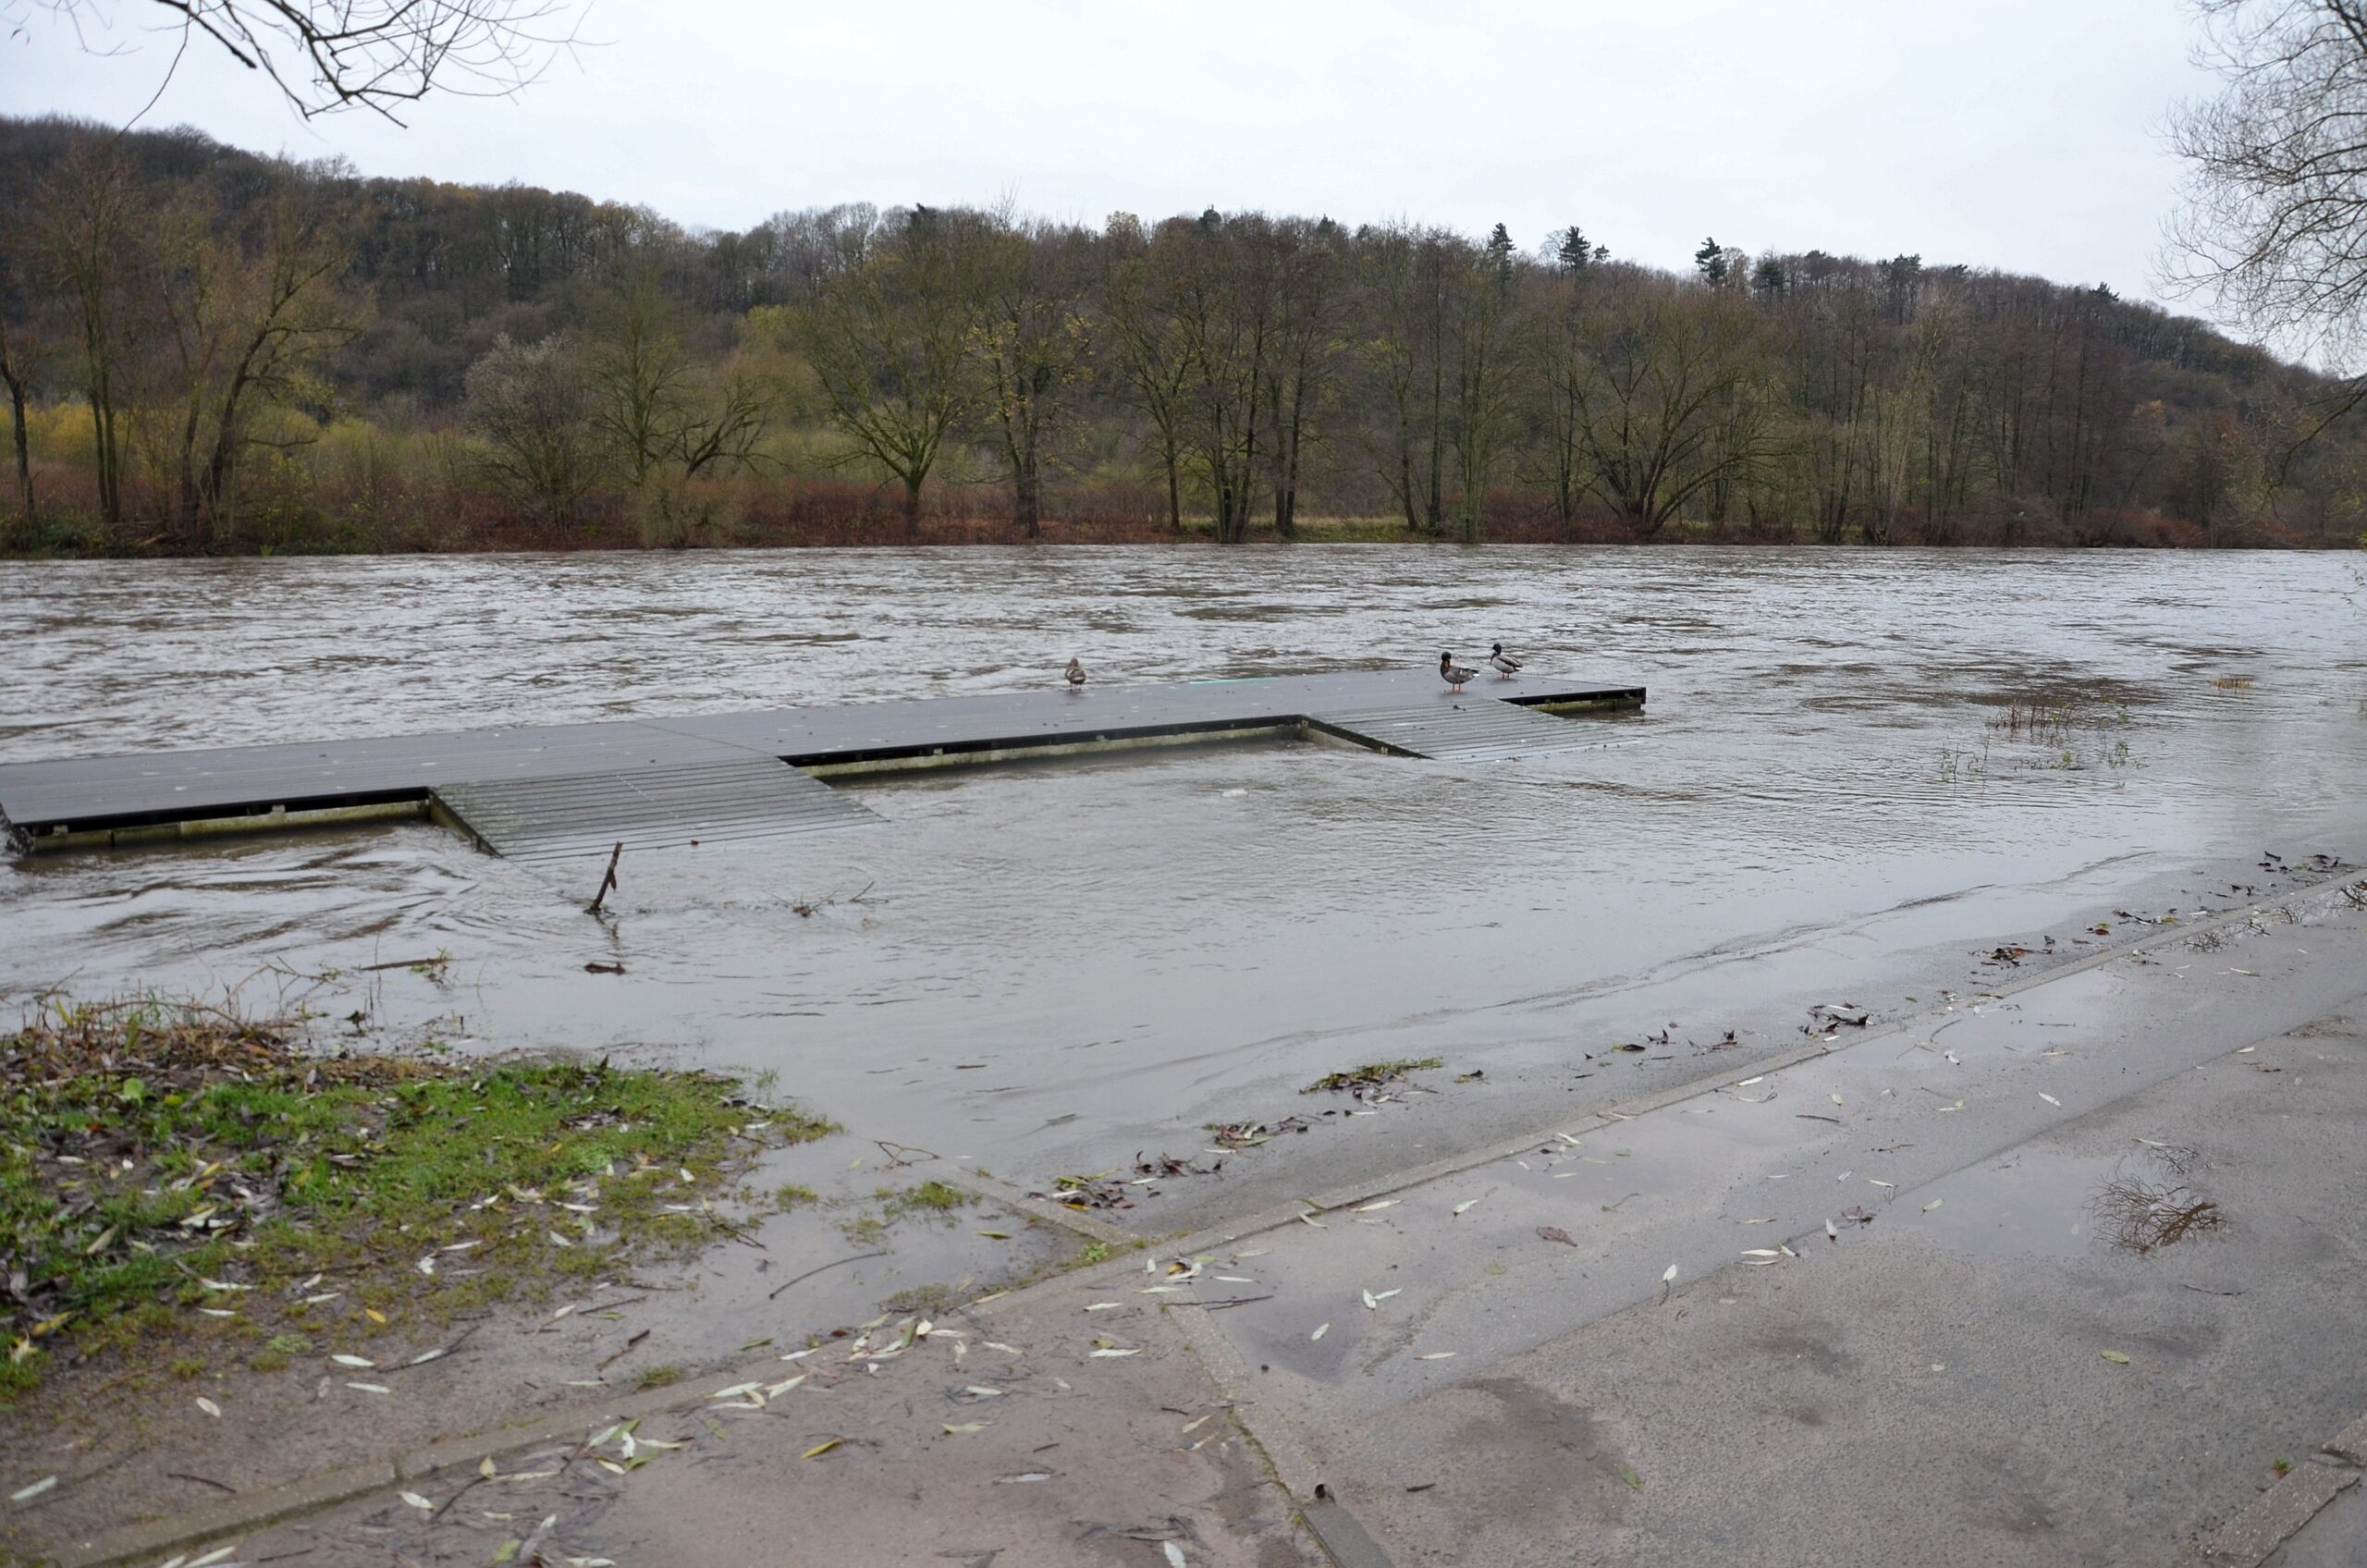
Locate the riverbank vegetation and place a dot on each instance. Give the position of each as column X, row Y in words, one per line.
column 178, row 1180
column 207, row 351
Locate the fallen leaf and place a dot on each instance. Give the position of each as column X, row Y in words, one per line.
column 1322, row 1330
column 818, row 1450
column 1437, row 1356
column 996, row 1235
column 1105, row 1307
column 1370, row 1301
column 26, row 1494
column 974, row 1391
column 1174, row 1554
column 1668, row 1274
column 418, row 1501
column 1837, row 1099
column 1022, row 1479
column 952, row 1430
column 2049, row 1098
column 210, row 1408
column 1554, row 1233
column 1762, row 1252
column 1116, row 1351
column 2115, row 1357
column 1871, row 1182
column 1932, row 1204
column 1385, row 1202
column 370, row 1388
column 352, row 1361
column 1627, row 1474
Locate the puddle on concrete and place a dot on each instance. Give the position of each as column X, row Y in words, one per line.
column 2033, row 1203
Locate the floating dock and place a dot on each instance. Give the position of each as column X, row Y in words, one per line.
column 537, row 792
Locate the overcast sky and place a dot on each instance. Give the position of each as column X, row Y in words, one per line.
column 2020, row 134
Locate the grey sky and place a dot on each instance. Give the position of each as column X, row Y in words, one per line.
column 2020, row 134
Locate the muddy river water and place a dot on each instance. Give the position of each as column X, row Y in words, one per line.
column 1046, row 968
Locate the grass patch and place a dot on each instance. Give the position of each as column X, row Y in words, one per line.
column 930, row 1199
column 659, row 1376
column 173, row 1169
column 1371, row 1075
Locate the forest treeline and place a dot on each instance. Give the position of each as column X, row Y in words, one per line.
column 205, row 349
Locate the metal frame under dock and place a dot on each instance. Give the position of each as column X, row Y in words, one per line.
column 648, row 769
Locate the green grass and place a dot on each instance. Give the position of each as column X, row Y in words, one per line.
column 129, row 1135
column 931, row 1199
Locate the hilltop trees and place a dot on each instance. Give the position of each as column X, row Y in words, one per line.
column 209, row 349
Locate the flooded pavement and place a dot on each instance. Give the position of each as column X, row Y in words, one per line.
column 1859, row 774
column 1835, row 1306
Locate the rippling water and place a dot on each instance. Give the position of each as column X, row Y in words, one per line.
column 1815, row 800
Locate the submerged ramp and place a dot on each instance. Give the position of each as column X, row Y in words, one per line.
column 645, row 808
column 1467, row 729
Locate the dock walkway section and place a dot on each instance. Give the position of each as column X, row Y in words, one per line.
column 83, row 801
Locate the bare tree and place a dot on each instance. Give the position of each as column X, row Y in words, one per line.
column 1663, row 362
column 888, row 336
column 1032, row 345
column 2274, row 228
column 659, row 407
column 27, row 343
column 323, row 56
column 533, row 408
column 247, row 309
column 1140, row 308
column 1306, row 353
column 1227, row 297
column 85, row 217
column 1481, row 292
column 1406, row 273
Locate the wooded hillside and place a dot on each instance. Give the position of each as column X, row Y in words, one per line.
column 209, row 350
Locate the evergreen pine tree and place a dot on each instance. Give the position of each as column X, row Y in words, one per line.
column 1712, row 260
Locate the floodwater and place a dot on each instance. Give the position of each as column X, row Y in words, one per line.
column 1046, row 968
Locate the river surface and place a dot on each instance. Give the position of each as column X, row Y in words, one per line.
column 1045, row 968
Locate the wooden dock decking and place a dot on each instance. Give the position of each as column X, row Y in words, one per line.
column 94, row 801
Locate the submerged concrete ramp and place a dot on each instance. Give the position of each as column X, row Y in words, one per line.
column 1467, row 729
column 645, row 808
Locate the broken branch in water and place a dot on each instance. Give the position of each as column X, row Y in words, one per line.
column 806, row 909
column 608, row 882
column 811, row 1272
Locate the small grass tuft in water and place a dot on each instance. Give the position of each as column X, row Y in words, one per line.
column 932, row 1199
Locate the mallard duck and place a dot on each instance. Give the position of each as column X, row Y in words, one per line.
column 1506, row 665
column 1076, row 673
column 1453, row 674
